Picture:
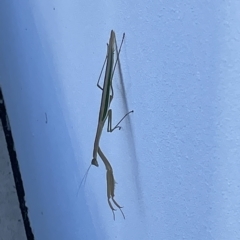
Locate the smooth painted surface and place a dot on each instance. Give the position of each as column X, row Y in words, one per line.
column 176, row 159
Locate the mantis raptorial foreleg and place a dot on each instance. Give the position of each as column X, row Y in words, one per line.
column 110, row 183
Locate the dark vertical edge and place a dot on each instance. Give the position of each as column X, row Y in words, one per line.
column 15, row 168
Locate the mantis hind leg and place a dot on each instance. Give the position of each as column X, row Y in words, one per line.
column 118, row 52
column 98, row 85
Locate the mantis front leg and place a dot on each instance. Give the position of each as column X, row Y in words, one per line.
column 110, row 184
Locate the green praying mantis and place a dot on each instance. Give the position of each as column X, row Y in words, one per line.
column 106, row 113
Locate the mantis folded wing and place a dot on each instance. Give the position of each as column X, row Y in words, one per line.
column 104, row 114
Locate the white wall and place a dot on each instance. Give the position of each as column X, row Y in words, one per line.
column 176, row 159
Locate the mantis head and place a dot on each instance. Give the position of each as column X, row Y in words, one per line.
column 94, row 162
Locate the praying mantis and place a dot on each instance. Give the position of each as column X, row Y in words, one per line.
column 106, row 113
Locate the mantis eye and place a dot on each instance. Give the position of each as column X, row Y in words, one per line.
column 94, row 162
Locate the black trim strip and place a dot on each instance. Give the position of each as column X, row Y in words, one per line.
column 15, row 168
